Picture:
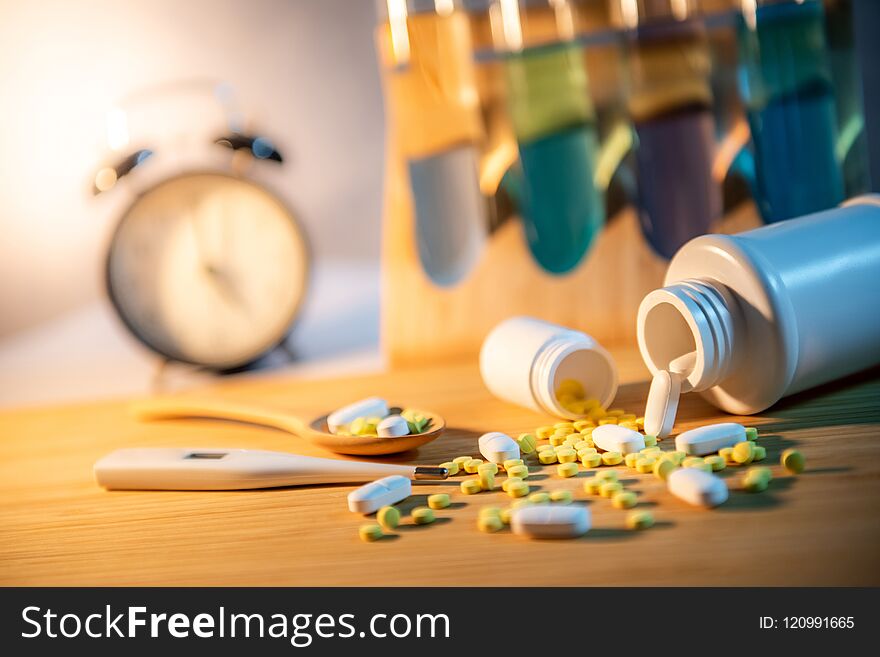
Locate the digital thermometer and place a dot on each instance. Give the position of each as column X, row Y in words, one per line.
column 167, row 468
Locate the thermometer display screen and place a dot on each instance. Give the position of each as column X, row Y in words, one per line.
column 205, row 455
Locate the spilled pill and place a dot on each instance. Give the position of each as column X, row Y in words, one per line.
column 471, row 466
column 663, row 467
column 547, row 457
column 610, row 488
column 526, row 442
column 662, row 403
column 461, row 460
column 568, row 469
column 639, row 520
column 715, row 462
column 509, row 482
column 370, row 532
column 591, row 460
column 388, row 517
column 793, row 461
column 760, row 453
column 471, row 486
column 710, row 438
column 422, row 515
column 509, row 463
column 697, row 487
column 623, row 500
column 744, row 452
column 382, row 492
column 612, row 458
column 593, row 485
column 438, row 501
column 490, row 524
column 518, row 489
column 539, row 498
column 520, row 471
column 498, row 447
column 561, row 496
column 451, row 468
column 566, row 456
column 613, row 438
column 551, row 521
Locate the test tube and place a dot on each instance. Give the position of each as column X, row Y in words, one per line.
column 786, row 84
column 426, row 53
column 554, row 123
column 670, row 104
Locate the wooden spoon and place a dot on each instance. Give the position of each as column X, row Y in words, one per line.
column 315, row 431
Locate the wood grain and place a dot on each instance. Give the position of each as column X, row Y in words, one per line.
column 58, row 528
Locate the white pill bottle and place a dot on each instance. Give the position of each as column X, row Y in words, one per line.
column 523, row 360
column 771, row 311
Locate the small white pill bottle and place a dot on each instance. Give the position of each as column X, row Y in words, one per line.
column 771, row 311
column 523, row 360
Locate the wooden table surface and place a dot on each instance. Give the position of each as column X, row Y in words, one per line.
column 57, row 527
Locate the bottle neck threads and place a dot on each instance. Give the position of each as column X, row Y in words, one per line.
column 692, row 315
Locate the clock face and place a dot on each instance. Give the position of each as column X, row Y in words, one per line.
column 208, row 269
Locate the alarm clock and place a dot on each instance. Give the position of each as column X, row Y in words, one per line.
column 205, row 265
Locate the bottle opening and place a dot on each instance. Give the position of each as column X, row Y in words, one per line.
column 583, row 361
column 667, row 335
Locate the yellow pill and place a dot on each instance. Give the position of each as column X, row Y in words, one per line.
column 645, row 464
column 505, row 515
column 607, row 475
column 580, row 425
column 461, row 460
column 623, row 500
column 754, row 484
column 547, row 458
column 488, row 467
column 630, row 459
column 639, row 520
column 793, row 461
column 526, row 442
column 518, row 489
column 587, row 433
column 490, row 524
column 591, row 460
column 472, row 465
column 640, row 421
column 760, row 472
column 422, row 515
column 629, row 425
column 760, row 453
column 518, row 504
column 509, row 463
column 650, row 451
column 612, row 458
column 607, row 420
column 727, row 454
column 581, row 444
column 561, row 496
column 697, row 462
column 581, row 453
column 715, row 462
column 556, row 439
column 568, row 426
column 438, row 501
column 650, row 441
column 610, row 488
column 627, row 417
column 471, row 486
column 487, row 511
column 678, row 456
column 369, row 533
column 615, row 412
column 539, row 498
column 567, row 469
column 744, row 452
column 544, row 448
column 663, row 468
column 593, row 485
column 451, row 467
column 508, row 482
column 521, row 471
column 388, row 517
column 543, row 433
column 570, row 387
column 566, row 456
column 751, row 434
column 487, row 479
column 597, row 413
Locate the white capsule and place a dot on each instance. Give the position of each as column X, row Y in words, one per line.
column 697, row 487
column 711, row 438
column 614, row 438
column 498, row 447
column 551, row 521
column 684, row 365
column 662, row 403
column 393, row 426
column 382, row 492
column 370, row 407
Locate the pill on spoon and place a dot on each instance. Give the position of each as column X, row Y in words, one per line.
column 697, row 487
column 498, row 447
column 615, row 438
column 551, row 520
column 662, row 403
column 393, row 426
column 710, row 439
column 370, row 407
column 382, row 492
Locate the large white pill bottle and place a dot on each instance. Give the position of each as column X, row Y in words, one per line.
column 771, row 311
column 523, row 360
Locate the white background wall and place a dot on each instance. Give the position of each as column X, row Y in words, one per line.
column 305, row 68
